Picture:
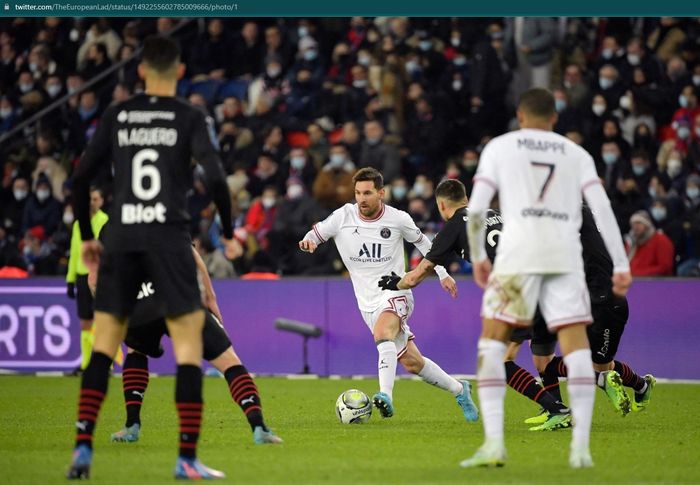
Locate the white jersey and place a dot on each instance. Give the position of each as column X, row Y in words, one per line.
column 539, row 176
column 371, row 248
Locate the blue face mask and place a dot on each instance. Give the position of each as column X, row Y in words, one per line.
column 607, row 53
column 399, row 192
column 310, row 55
column 605, row 83
column 609, row 158
column 658, row 213
column 560, row 105
column 87, row 113
column 683, row 101
column 692, row 192
column 425, row 45
column 639, row 170
column 297, row 163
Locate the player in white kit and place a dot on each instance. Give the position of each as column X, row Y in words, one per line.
column 370, row 238
column 539, row 176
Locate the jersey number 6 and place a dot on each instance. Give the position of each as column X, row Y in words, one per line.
column 140, row 172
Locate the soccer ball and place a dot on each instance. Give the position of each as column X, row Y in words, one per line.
column 353, row 407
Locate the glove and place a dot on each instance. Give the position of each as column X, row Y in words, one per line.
column 389, row 282
column 71, row 291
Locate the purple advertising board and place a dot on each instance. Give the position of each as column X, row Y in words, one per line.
column 39, row 329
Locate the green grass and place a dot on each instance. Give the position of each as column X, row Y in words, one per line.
column 423, row 443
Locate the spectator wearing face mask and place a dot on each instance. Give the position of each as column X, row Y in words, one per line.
column 295, row 214
column 333, row 186
column 399, row 194
column 650, row 252
column 568, row 117
column 694, row 146
column 611, row 52
column 632, row 114
column 14, row 201
column 641, row 172
column 673, row 167
column 609, row 86
column 268, row 85
column 298, row 166
column 42, row 208
column 637, row 57
column 38, row 252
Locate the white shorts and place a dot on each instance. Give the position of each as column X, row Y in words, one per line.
column 563, row 299
column 402, row 306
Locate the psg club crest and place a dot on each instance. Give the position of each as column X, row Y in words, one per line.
column 385, row 233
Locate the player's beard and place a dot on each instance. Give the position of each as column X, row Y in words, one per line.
column 369, row 211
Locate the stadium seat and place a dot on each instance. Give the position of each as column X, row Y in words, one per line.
column 238, row 88
column 298, row 139
column 183, row 87
column 207, row 89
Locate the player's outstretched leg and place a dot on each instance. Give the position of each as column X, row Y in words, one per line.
column 92, row 392
column 557, row 414
column 432, row 374
column 491, row 379
column 134, row 383
column 245, row 393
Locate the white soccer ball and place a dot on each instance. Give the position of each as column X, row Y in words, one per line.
column 353, row 407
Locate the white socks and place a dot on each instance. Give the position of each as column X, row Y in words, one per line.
column 581, row 386
column 435, row 376
column 491, row 381
column 387, row 367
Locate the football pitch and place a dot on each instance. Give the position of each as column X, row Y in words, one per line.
column 423, row 443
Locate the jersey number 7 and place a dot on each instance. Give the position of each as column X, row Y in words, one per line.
column 550, row 167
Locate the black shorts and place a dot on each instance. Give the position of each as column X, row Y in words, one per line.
column 86, row 304
column 173, row 273
column 608, row 325
column 542, row 342
column 145, row 337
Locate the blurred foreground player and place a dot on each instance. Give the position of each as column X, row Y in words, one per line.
column 151, row 141
column 146, row 328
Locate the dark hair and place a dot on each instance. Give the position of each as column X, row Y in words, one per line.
column 452, row 190
column 537, row 102
column 369, row 174
column 159, row 52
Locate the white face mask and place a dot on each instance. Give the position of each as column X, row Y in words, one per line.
column 5, row 113
column 337, row 160
column 68, row 218
column 419, row 189
column 268, row 202
column 273, row 72
column 364, row 60
column 53, row 90
column 626, row 102
column 674, row 167
column 20, row 194
column 42, row 194
column 633, row 59
column 359, row 83
column 454, row 41
column 456, row 84
column 295, row 191
column 696, row 79
column 25, row 87
column 598, row 108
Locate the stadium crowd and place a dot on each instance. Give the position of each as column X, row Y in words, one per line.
column 299, row 104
